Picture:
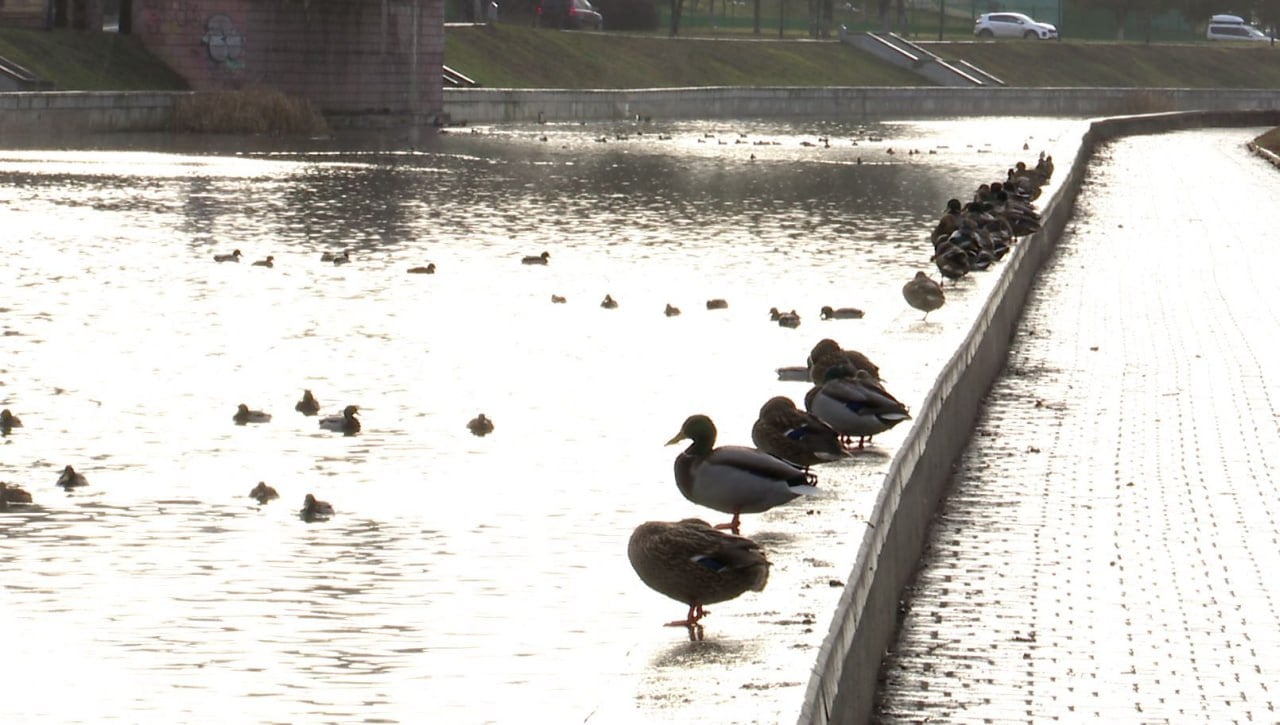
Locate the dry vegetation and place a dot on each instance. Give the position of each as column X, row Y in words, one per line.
column 254, row 111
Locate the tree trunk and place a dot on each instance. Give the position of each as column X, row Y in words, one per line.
column 676, row 7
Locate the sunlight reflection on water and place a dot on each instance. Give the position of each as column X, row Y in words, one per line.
column 462, row 578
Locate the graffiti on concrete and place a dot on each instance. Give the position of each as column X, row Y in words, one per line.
column 223, row 42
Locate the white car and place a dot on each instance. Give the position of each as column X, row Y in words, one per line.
column 1012, row 25
column 1233, row 27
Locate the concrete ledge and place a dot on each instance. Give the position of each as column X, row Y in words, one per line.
column 1265, row 154
column 496, row 105
column 69, row 112
column 842, row 688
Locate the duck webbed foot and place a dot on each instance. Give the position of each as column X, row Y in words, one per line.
column 733, row 526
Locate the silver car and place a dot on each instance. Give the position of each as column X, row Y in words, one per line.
column 1012, row 25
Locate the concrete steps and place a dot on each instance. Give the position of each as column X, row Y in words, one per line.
column 903, row 53
column 14, row 77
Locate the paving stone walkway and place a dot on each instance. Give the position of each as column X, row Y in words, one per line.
column 1110, row 550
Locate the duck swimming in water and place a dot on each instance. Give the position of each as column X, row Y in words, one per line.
column 263, row 493
column 537, row 259
column 233, row 257
column 269, row 262
column 8, row 421
column 480, row 426
column 70, row 479
column 429, row 269
column 244, row 415
column 841, row 313
column 347, row 423
column 696, row 565
column 308, row 405
column 609, row 303
column 315, row 510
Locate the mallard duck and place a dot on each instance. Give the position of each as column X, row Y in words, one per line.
column 270, row 261
column 733, row 479
column 263, row 493
column 314, row 509
column 695, row 564
column 244, row 415
column 8, row 421
column 330, row 256
column 827, row 353
column 480, row 426
column 341, row 259
column 951, row 260
column 784, row 319
column 854, row 404
column 539, row 259
column 717, row 304
column 671, row 310
column 795, row 436
column 923, row 294
column 70, row 479
column 13, row 494
column 429, row 269
column 233, row 257
column 558, row 299
column 345, row 423
column 609, row 303
column 308, row 405
column 841, row 313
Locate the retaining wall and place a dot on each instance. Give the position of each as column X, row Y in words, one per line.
column 43, row 114
column 842, row 687
column 489, row 105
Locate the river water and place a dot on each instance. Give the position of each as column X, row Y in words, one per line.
column 462, row 579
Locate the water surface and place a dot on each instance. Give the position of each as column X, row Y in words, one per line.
column 463, row 579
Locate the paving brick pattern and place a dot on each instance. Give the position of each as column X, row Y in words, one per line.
column 1110, row 549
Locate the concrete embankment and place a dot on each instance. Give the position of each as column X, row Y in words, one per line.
column 843, row 684
column 70, row 112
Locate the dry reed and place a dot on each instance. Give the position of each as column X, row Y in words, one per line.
column 251, row 111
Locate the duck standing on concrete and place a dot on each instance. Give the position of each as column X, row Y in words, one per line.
column 784, row 431
column 923, row 294
column 733, row 479
column 695, row 564
column 854, row 404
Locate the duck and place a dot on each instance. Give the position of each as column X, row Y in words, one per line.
column 8, row 421
column 270, row 261
column 671, row 310
column 733, row 479
column 263, row 493
column 841, row 313
column 923, row 294
column 233, row 257
column 330, row 256
column 695, row 564
column 429, row 269
column 609, row 303
column 558, row 299
column 341, row 259
column 345, row 423
column 244, row 415
column 952, row 261
column 10, row 493
column 308, row 405
column 314, row 509
column 480, row 426
column 797, row 437
column 785, row 319
column 70, row 479
column 536, row 259
column 853, row 403
column 827, row 353
column 717, row 304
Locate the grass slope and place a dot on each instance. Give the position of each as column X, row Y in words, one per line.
column 82, row 61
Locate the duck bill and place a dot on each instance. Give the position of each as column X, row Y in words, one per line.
column 679, row 437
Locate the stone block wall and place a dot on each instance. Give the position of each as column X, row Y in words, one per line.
column 349, row 57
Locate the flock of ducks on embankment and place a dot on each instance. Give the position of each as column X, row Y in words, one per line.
column 699, row 564
column 847, row 405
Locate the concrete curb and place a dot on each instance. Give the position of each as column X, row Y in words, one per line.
column 842, row 687
column 1266, row 155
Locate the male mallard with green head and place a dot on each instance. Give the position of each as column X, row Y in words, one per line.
column 733, row 479
column 694, row 563
column 795, row 436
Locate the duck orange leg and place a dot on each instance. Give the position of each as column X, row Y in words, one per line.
column 696, row 613
column 733, row 526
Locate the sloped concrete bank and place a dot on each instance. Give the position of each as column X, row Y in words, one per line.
column 843, row 683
